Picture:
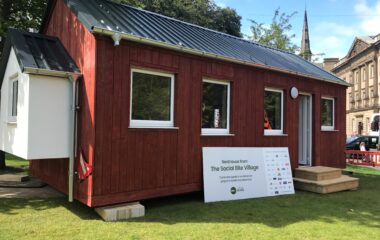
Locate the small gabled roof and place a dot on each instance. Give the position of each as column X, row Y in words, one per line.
column 37, row 53
column 107, row 17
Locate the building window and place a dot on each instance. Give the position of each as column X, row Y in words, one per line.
column 372, row 71
column 364, row 74
column 13, row 99
column 152, row 99
column 215, row 107
column 273, row 111
column 327, row 113
column 357, row 77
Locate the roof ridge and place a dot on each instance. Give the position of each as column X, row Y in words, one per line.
column 200, row 27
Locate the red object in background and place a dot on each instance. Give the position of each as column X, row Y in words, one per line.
column 266, row 121
column 84, row 169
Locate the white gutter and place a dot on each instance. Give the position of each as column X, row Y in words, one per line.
column 52, row 73
column 135, row 38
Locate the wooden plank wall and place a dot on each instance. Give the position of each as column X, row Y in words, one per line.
column 134, row 164
column 81, row 45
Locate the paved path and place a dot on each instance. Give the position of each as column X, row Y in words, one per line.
column 44, row 192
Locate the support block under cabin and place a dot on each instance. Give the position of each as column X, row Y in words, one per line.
column 121, row 211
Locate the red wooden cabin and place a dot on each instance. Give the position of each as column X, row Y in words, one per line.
column 215, row 89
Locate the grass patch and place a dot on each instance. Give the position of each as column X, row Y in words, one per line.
column 345, row 215
column 20, row 164
column 362, row 170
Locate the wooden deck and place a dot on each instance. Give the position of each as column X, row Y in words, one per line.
column 323, row 180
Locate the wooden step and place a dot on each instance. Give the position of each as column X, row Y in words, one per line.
column 327, row 186
column 318, row 173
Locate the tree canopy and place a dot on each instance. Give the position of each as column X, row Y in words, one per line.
column 276, row 34
column 204, row 13
column 20, row 14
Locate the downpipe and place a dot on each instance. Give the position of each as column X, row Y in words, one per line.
column 72, row 135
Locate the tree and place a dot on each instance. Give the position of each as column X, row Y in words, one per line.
column 277, row 34
column 20, row 14
column 204, row 13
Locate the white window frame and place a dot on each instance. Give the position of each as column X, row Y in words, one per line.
column 152, row 123
column 329, row 128
column 219, row 131
column 271, row 132
column 12, row 79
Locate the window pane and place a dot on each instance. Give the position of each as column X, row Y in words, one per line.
column 272, row 114
column 151, row 97
column 14, row 98
column 327, row 112
column 214, row 105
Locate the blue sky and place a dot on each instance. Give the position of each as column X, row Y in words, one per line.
column 333, row 24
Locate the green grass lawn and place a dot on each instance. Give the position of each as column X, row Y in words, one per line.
column 351, row 215
column 16, row 162
column 362, row 170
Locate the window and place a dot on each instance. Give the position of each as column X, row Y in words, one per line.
column 215, row 107
column 152, row 99
column 13, row 99
column 327, row 113
column 372, row 71
column 364, row 74
column 273, row 112
column 357, row 77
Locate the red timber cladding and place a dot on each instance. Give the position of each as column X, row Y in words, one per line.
column 135, row 164
column 81, row 45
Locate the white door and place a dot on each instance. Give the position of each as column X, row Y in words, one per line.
column 304, row 132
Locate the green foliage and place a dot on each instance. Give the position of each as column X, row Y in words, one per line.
column 275, row 35
column 200, row 12
column 20, row 14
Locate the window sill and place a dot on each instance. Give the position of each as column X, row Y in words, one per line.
column 217, row 135
column 12, row 122
column 276, row 135
column 331, row 130
column 153, row 128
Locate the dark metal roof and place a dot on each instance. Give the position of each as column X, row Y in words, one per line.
column 36, row 51
column 104, row 14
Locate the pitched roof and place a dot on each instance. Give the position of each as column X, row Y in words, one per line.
column 37, row 52
column 103, row 16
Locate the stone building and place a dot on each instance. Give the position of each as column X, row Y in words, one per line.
column 360, row 68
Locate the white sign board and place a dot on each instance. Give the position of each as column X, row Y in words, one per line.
column 231, row 173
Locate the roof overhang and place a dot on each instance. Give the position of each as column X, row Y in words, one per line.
column 148, row 41
column 51, row 73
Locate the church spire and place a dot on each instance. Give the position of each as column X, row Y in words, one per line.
column 305, row 44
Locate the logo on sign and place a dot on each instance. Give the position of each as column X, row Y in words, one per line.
column 233, row 190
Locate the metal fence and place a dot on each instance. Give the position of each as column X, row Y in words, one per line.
column 365, row 158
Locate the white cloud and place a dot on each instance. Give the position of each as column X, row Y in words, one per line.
column 335, row 39
column 369, row 17
column 221, row 3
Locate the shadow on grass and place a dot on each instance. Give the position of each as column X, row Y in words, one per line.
column 360, row 207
